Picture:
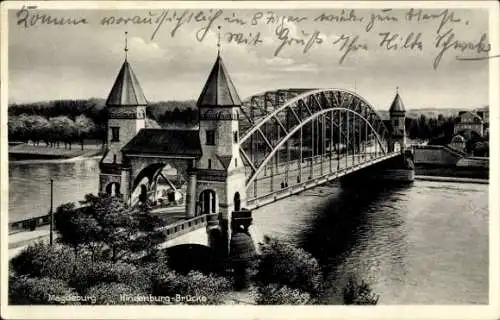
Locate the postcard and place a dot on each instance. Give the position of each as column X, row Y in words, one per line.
column 250, row 160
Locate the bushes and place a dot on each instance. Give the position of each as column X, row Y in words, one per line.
column 359, row 293
column 277, row 294
column 111, row 293
column 102, row 272
column 282, row 263
column 194, row 284
column 25, row 290
column 43, row 260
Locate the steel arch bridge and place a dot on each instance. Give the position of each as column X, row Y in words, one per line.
column 292, row 137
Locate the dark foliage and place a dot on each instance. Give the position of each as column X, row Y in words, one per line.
column 28, row 291
column 194, row 284
column 359, row 293
column 283, row 264
column 44, row 261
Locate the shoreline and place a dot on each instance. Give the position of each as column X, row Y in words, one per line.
column 451, row 179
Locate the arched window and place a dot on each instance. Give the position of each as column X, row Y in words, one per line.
column 208, row 202
column 237, row 202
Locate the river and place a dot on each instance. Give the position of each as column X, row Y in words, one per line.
column 425, row 243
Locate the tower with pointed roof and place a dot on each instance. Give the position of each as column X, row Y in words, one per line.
column 397, row 115
column 220, row 167
column 126, row 106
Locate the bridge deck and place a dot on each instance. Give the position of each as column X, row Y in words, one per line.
column 269, row 188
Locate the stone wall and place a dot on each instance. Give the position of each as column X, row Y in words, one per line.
column 437, row 155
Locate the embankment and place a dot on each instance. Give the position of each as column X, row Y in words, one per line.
column 30, row 152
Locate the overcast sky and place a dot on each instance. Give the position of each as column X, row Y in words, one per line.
column 74, row 62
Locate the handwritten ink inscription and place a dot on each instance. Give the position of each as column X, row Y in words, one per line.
column 441, row 32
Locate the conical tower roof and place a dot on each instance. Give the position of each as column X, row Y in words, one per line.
column 126, row 91
column 219, row 90
column 397, row 104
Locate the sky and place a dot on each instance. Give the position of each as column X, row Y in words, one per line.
column 49, row 61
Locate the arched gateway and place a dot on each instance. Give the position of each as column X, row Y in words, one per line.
column 208, row 158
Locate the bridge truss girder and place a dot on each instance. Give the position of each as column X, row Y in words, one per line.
column 332, row 117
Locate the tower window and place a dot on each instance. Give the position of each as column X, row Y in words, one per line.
column 209, row 163
column 115, row 134
column 235, row 162
column 210, row 137
column 396, row 122
column 235, row 136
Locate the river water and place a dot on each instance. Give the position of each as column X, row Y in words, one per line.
column 425, row 243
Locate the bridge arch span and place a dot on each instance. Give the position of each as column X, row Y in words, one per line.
column 321, row 107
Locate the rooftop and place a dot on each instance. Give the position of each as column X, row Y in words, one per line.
column 219, row 90
column 126, row 90
column 397, row 104
column 165, row 142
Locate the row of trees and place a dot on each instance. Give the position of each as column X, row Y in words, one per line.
column 53, row 131
column 427, row 128
column 177, row 116
column 107, row 249
column 92, row 108
column 165, row 113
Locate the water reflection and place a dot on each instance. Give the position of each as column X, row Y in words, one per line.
column 29, row 185
column 424, row 243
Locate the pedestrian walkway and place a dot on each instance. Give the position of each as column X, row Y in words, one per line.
column 20, row 240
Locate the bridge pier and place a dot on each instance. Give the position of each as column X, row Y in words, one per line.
column 398, row 169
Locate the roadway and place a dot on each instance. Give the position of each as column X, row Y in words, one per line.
column 271, row 179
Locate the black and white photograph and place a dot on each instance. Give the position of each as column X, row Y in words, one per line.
column 166, row 155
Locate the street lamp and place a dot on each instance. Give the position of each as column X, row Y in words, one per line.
column 51, row 210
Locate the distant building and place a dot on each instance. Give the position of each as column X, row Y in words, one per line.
column 475, row 120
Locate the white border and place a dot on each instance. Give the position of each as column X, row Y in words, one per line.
column 492, row 311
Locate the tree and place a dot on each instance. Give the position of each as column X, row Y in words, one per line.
column 282, row 263
column 25, row 290
column 62, row 129
column 78, row 229
column 108, row 222
column 84, row 127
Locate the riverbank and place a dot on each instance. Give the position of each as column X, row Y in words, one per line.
column 451, row 179
column 452, row 171
column 31, row 152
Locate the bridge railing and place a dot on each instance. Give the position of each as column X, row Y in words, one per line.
column 287, row 191
column 182, row 227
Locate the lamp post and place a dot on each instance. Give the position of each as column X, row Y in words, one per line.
column 51, row 210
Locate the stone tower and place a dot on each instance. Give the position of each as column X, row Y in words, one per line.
column 220, row 172
column 397, row 114
column 126, row 105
